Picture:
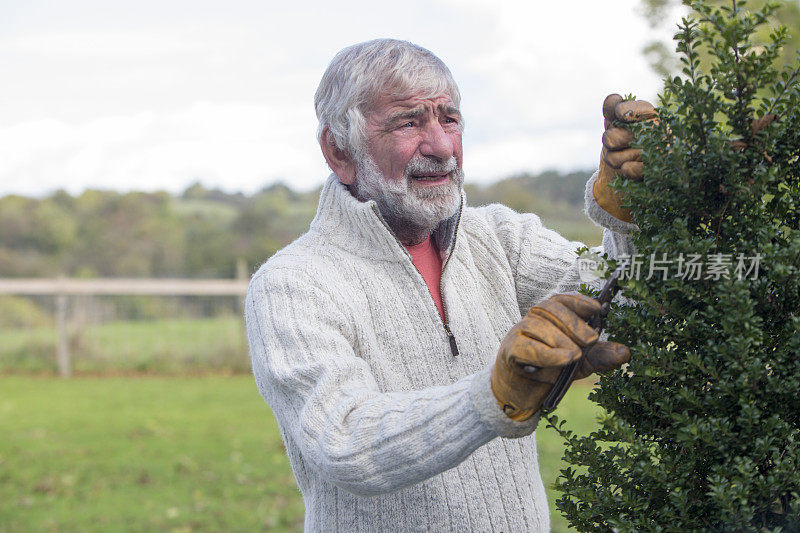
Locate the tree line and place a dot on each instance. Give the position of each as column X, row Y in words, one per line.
column 204, row 232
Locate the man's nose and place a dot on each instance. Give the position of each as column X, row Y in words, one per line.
column 436, row 142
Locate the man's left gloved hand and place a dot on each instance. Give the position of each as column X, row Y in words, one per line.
column 617, row 156
column 554, row 333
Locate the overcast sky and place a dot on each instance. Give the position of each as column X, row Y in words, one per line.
column 158, row 94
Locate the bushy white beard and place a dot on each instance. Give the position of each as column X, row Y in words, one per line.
column 410, row 210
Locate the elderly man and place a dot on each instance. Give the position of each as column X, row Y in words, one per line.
column 390, row 339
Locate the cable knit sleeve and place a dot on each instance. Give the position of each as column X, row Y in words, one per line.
column 328, row 403
column 542, row 261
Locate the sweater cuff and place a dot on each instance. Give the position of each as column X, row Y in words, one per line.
column 486, row 405
column 600, row 216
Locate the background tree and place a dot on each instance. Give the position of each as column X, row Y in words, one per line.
column 703, row 426
column 658, row 14
column 203, row 233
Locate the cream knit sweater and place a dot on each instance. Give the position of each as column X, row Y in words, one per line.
column 386, row 429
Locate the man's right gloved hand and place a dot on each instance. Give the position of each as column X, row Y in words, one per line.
column 551, row 335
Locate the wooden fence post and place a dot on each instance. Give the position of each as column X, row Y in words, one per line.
column 62, row 347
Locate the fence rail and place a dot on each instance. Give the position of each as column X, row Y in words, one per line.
column 124, row 286
column 62, row 288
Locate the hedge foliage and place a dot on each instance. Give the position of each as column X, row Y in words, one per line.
column 703, row 426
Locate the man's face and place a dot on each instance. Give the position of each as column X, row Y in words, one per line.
column 413, row 159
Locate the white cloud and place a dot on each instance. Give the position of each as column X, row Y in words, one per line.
column 89, row 45
column 564, row 150
column 160, row 95
column 233, row 146
column 553, row 63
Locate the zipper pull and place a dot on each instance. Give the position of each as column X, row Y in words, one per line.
column 452, row 339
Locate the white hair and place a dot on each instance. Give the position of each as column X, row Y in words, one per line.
column 360, row 73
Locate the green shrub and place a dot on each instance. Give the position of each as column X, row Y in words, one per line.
column 703, row 426
column 20, row 312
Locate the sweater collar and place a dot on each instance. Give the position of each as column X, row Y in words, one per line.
column 359, row 228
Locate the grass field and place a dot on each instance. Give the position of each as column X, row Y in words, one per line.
column 164, row 454
column 164, row 346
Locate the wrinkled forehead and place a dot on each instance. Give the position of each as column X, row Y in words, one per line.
column 422, row 84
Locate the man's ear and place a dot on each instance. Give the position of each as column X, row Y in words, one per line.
column 340, row 161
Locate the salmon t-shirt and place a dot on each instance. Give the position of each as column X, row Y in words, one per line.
column 426, row 258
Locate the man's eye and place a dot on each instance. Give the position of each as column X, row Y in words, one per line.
column 450, row 120
column 408, row 125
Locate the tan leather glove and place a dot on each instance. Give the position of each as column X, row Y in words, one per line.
column 550, row 336
column 617, row 156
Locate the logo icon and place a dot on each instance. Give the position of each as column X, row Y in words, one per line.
column 591, row 266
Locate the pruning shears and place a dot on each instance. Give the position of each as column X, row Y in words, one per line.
column 564, row 380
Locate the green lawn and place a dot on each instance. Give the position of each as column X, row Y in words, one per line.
column 163, row 454
column 164, row 346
